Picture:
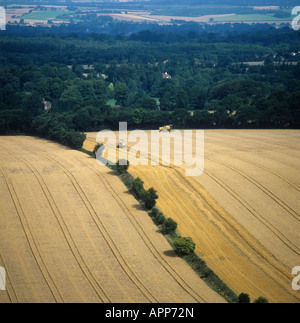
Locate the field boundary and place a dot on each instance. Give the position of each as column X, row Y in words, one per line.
column 198, row 265
column 193, row 260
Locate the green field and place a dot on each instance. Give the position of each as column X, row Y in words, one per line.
column 45, row 15
column 251, row 18
column 111, row 102
column 157, row 100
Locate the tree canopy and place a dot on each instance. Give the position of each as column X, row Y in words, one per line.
column 101, row 80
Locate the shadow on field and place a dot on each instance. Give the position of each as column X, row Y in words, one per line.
column 170, row 253
column 138, row 207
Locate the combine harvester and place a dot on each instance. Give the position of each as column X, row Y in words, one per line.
column 166, row 128
column 121, row 144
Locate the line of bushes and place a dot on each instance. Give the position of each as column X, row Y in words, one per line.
column 57, row 130
column 184, row 246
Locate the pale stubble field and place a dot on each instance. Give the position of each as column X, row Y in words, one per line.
column 71, row 232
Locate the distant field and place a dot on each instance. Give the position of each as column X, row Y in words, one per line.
column 164, row 14
column 246, row 14
column 217, row 18
column 252, row 18
column 45, row 15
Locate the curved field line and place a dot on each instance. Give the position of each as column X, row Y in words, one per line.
column 86, row 202
column 112, row 245
column 261, row 254
column 258, row 154
column 249, row 207
column 68, row 237
column 150, row 245
column 147, row 241
column 90, row 139
column 211, row 249
column 275, row 198
column 254, row 134
column 249, row 243
column 268, row 170
column 235, row 195
column 94, row 216
column 55, row 210
column 272, row 141
column 178, row 171
column 246, row 241
column 280, row 161
column 174, row 167
column 31, row 242
column 258, row 216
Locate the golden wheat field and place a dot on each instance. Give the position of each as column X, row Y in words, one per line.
column 243, row 212
column 71, row 232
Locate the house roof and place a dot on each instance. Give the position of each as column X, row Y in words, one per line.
column 166, row 76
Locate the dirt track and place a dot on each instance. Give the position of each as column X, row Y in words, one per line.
column 70, row 232
column 243, row 212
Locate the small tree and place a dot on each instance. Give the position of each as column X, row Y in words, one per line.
column 122, row 166
column 138, row 116
column 153, row 193
column 148, row 201
column 154, row 212
column 157, row 216
column 261, row 300
column 244, row 299
column 149, row 198
column 184, row 245
column 169, row 226
column 138, row 187
column 160, row 219
column 73, row 139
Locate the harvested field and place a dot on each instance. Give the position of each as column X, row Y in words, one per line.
column 145, row 16
column 243, row 212
column 70, row 232
column 130, row 17
column 262, row 18
column 15, row 14
column 211, row 19
column 183, row 18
